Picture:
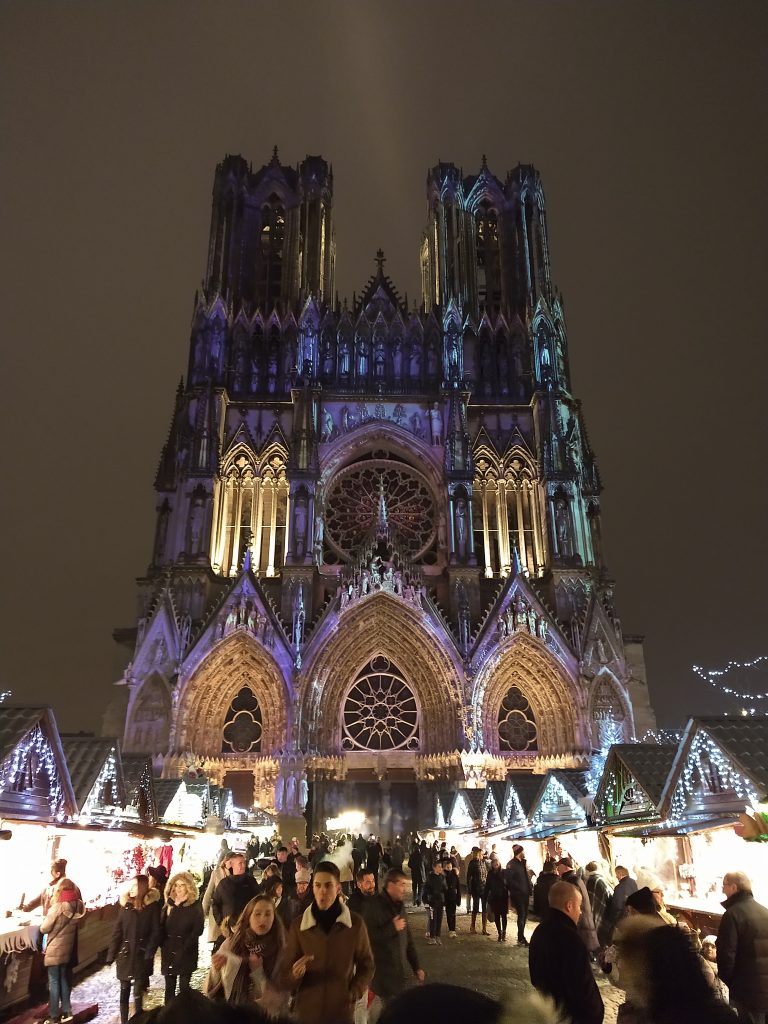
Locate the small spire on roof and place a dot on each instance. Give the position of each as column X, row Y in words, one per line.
column 484, row 164
column 275, row 158
column 380, row 260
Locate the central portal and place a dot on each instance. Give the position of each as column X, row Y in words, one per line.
column 390, row 808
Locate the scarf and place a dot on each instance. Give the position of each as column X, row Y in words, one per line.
column 327, row 918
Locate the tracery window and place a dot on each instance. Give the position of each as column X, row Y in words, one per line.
column 517, row 723
column 488, row 261
column 253, row 509
column 242, row 726
column 380, row 711
column 507, row 514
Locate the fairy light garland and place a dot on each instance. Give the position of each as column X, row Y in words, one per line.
column 35, row 745
column 513, row 809
column 712, row 676
column 108, row 772
column 694, row 772
column 553, row 797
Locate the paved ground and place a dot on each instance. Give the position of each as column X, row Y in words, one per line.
column 477, row 961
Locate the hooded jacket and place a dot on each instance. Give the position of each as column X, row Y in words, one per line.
column 339, row 973
column 135, row 937
column 60, row 925
column 181, row 925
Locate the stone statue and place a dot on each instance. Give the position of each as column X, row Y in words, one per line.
column 344, row 358
column 252, row 619
column 329, row 427
column 300, row 526
column 362, row 358
column 290, row 794
column 232, row 618
column 431, row 361
column 398, row 415
column 279, row 793
column 303, row 792
column 415, row 363
column 196, row 525
column 345, row 424
column 397, row 360
column 319, row 536
column 298, row 617
column 563, row 529
column 436, row 424
column 460, row 526
column 417, row 424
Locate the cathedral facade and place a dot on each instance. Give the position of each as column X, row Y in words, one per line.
column 377, row 566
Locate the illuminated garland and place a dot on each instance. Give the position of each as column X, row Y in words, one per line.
column 664, row 737
column 551, row 801
column 713, row 675
column 94, row 801
column 729, row 777
column 511, row 803
column 490, row 811
column 35, row 744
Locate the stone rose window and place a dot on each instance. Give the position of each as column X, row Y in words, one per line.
column 517, row 724
column 242, row 726
column 380, row 711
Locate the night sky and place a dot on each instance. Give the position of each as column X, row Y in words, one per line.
column 648, row 124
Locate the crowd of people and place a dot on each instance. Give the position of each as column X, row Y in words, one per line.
column 324, row 938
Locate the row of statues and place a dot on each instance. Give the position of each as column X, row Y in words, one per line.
column 520, row 617
column 243, row 614
column 378, row 576
column 425, row 426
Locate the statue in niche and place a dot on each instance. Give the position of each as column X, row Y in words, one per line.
column 545, row 360
column 329, row 427
column 431, row 361
column 290, row 793
column 460, row 526
column 362, row 413
column 215, row 348
column 453, row 352
column 272, row 374
column 563, row 529
column 300, row 525
column 344, row 358
column 571, row 439
column 241, row 367
column 379, row 360
column 415, row 363
column 196, row 524
column 397, row 360
column 303, row 792
column 398, row 415
column 347, row 422
column 319, row 536
column 362, row 357
column 254, row 375
column 185, row 631
column 417, row 424
column 463, row 614
column 327, row 357
column 251, row 624
column 436, row 424
column 279, row 793
column 560, row 356
column 232, row 618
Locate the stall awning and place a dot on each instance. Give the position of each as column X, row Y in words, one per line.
column 543, row 832
column 677, row 828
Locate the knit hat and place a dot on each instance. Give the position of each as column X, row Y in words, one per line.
column 517, row 848
column 302, row 875
column 642, row 901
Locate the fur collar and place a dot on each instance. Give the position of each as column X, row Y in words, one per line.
column 308, row 918
column 153, row 896
column 191, row 884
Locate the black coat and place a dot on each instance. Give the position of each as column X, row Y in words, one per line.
column 477, row 873
column 544, row 883
column 435, row 890
column 518, row 879
column 559, row 966
column 496, row 889
column 742, row 951
column 231, row 895
column 180, row 930
column 416, row 867
column 135, row 937
column 394, row 952
column 454, row 888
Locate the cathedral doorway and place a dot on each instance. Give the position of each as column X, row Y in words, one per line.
column 241, row 784
column 390, row 808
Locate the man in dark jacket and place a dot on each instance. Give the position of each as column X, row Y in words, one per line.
column 742, row 949
column 232, row 893
column 586, row 922
column 363, row 893
column 624, row 888
column 519, row 885
column 545, row 881
column 558, row 961
column 394, row 953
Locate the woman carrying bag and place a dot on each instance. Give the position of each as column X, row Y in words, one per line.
column 135, row 938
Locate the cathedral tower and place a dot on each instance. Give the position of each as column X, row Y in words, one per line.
column 377, row 563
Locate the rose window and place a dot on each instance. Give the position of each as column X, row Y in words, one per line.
column 361, row 494
column 517, row 724
column 242, row 726
column 380, row 711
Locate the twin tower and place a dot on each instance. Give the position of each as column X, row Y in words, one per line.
column 377, row 565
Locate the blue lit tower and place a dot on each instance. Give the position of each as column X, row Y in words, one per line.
column 377, row 564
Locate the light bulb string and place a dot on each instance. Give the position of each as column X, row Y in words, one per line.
column 712, row 676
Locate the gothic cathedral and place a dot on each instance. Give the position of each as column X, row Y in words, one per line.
column 377, row 566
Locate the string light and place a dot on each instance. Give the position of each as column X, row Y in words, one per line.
column 552, row 799
column 19, row 762
column 712, row 675
column 94, row 804
column 706, row 761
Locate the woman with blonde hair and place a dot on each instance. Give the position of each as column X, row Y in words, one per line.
column 244, row 965
column 181, row 926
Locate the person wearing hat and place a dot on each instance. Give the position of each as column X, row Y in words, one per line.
column 642, row 902
column 519, row 885
column 158, row 876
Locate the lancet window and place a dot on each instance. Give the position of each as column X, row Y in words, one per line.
column 488, row 262
column 507, row 515
column 272, row 239
column 253, row 510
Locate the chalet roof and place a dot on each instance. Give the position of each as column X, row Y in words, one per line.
column 474, row 798
column 86, row 757
column 18, row 722
column 527, row 786
column 496, row 792
column 745, row 740
column 165, row 791
column 649, row 765
column 574, row 780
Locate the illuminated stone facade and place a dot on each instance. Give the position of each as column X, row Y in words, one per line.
column 378, row 554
